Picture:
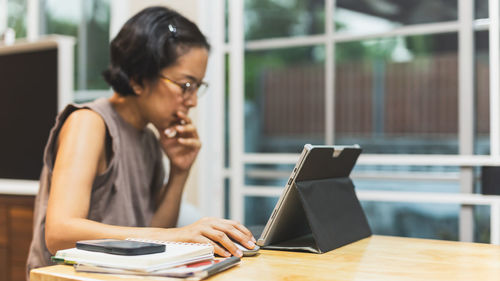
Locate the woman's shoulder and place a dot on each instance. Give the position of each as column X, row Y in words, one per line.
column 83, row 125
column 82, row 114
column 85, row 118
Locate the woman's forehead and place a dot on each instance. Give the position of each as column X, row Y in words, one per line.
column 192, row 63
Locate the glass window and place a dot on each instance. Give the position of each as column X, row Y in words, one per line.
column 398, row 95
column 386, row 218
column 442, row 179
column 227, row 139
column 369, row 16
column 284, row 99
column 258, row 210
column 433, row 221
column 482, row 228
column 482, row 89
column 226, row 21
column 227, row 197
column 16, row 18
column 439, row 221
column 88, row 22
column 481, row 9
column 273, row 175
column 282, row 18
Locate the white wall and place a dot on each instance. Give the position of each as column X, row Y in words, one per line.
column 3, row 15
column 187, row 8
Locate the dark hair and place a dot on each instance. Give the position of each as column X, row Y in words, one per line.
column 148, row 42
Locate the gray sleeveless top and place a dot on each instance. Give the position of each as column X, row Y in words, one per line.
column 123, row 195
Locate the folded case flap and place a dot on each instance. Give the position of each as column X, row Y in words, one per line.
column 333, row 211
column 303, row 243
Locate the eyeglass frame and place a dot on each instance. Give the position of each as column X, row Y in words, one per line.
column 186, row 87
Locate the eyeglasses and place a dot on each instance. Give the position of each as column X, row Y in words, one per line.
column 189, row 88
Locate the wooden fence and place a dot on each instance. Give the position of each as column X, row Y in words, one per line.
column 417, row 98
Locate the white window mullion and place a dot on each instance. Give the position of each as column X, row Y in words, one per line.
column 211, row 110
column 33, row 19
column 494, row 11
column 287, row 42
column 3, row 16
column 119, row 14
column 466, row 78
column 236, row 107
column 329, row 74
column 65, row 68
column 385, row 159
column 409, row 30
column 494, row 41
column 495, row 223
column 82, row 46
column 466, row 110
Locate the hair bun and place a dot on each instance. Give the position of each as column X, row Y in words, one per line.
column 118, row 80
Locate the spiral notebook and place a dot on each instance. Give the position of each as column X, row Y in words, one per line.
column 176, row 253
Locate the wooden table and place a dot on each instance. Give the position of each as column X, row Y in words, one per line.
column 374, row 258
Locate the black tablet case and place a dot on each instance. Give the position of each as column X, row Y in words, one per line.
column 327, row 213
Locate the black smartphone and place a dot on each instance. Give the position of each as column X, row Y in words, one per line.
column 120, row 247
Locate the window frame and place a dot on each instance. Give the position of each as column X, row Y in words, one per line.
column 465, row 26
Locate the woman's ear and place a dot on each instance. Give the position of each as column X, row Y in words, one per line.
column 138, row 89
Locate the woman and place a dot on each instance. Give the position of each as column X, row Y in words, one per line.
column 103, row 174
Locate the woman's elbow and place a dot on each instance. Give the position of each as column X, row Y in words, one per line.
column 54, row 234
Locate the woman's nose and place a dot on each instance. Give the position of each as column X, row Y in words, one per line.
column 192, row 100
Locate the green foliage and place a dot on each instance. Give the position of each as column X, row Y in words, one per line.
column 97, row 44
column 420, row 45
column 276, row 18
column 280, row 18
column 16, row 19
column 56, row 26
column 257, row 63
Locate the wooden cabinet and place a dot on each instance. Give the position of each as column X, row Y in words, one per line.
column 16, row 227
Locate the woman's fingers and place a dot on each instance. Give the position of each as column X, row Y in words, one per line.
column 245, row 231
column 170, row 133
column 237, row 235
column 241, row 228
column 181, row 131
column 183, row 118
column 222, row 233
column 217, row 248
column 186, row 129
column 195, row 143
column 221, row 238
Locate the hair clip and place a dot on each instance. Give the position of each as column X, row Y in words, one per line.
column 173, row 30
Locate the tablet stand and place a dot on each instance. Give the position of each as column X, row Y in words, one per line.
column 333, row 214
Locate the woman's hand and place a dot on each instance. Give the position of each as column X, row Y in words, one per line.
column 181, row 143
column 219, row 233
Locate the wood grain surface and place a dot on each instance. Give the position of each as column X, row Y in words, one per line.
column 373, row 258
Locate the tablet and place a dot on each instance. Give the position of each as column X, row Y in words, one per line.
column 288, row 221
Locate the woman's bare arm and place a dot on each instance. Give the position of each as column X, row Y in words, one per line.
column 80, row 158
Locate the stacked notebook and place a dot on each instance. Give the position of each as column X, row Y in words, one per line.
column 175, row 254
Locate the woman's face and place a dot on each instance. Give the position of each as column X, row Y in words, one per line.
column 162, row 99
